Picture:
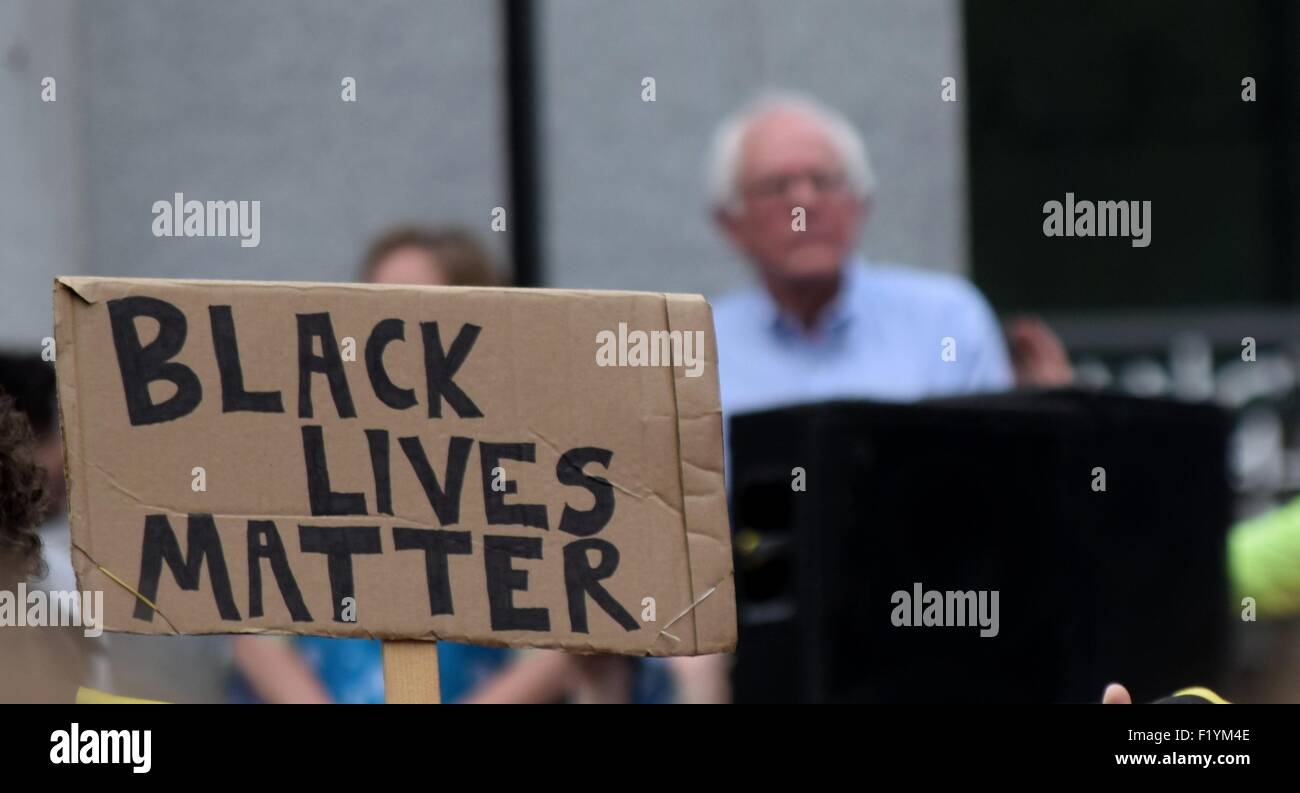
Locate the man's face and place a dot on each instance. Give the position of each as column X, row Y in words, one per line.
column 787, row 163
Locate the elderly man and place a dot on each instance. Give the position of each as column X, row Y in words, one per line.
column 791, row 184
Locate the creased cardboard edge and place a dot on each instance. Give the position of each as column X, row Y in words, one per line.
column 704, row 496
column 66, row 295
column 84, row 287
column 93, row 289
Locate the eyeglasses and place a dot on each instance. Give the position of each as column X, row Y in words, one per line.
column 780, row 185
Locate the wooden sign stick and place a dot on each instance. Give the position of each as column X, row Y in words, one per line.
column 411, row 673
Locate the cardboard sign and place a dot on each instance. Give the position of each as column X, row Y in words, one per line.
column 498, row 466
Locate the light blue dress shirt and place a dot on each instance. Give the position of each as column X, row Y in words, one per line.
column 882, row 338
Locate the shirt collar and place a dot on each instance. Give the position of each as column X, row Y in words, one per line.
column 835, row 317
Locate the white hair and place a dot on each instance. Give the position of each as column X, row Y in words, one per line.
column 724, row 157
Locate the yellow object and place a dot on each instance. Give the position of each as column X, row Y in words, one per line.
column 1264, row 562
column 1203, row 693
column 91, row 696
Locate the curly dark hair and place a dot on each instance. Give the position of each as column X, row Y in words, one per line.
column 22, row 497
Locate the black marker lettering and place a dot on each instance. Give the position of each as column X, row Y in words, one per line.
column 141, row 365
column 581, row 579
column 323, row 500
column 202, row 544
column 339, row 543
column 233, row 396
column 437, row 545
column 264, row 543
column 503, row 580
column 569, row 471
column 439, row 367
column 328, row 363
column 386, row 331
column 499, row 513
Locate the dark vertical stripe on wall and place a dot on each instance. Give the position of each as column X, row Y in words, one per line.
column 1280, row 104
column 523, row 131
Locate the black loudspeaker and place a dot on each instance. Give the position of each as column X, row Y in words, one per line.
column 995, row 494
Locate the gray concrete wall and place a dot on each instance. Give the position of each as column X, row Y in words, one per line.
column 42, row 173
column 242, row 100
column 239, row 100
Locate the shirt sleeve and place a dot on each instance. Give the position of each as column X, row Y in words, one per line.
column 989, row 367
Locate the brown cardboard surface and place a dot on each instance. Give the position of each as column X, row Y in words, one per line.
column 138, row 519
